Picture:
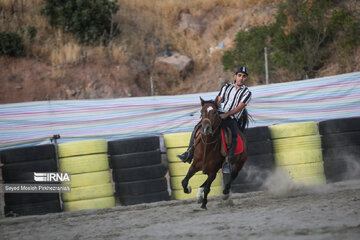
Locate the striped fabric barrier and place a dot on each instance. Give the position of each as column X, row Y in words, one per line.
column 31, row 123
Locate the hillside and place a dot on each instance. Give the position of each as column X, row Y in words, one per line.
column 57, row 67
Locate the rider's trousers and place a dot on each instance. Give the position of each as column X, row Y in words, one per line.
column 232, row 124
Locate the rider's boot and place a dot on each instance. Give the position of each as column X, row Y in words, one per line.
column 226, row 168
column 188, row 155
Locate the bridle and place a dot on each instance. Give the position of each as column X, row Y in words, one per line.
column 210, row 123
column 212, row 131
column 209, row 143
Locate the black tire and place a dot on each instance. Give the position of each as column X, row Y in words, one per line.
column 257, row 134
column 138, row 173
column 132, row 145
column 26, row 154
column 243, row 188
column 141, row 187
column 131, row 160
column 259, row 147
column 24, row 171
column 33, row 209
column 341, row 139
column 12, row 199
column 333, row 178
column 342, row 152
column 253, row 175
column 334, row 171
column 146, row 198
column 265, row 161
column 341, row 169
column 339, row 125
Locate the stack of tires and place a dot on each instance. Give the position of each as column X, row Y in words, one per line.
column 259, row 164
column 137, row 170
column 19, row 167
column 87, row 161
column 341, row 148
column 177, row 143
column 297, row 151
column 1, row 193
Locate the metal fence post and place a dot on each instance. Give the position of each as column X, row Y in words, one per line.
column 266, row 67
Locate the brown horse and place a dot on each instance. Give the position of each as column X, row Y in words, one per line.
column 209, row 154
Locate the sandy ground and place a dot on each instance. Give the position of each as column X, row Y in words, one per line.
column 324, row 212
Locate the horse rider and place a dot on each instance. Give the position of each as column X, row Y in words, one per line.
column 231, row 100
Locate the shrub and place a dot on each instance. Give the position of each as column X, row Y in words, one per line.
column 89, row 21
column 346, row 28
column 11, row 44
column 249, row 50
column 31, row 33
column 299, row 39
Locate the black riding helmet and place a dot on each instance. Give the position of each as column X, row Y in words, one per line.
column 242, row 69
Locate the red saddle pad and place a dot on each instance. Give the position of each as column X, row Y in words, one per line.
column 239, row 147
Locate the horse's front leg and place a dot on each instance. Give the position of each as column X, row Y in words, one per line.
column 207, row 186
column 185, row 181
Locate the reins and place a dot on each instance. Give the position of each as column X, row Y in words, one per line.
column 209, row 143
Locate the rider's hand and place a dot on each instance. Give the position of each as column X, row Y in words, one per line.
column 223, row 116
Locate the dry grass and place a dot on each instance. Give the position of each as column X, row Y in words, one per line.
column 253, row 2
column 18, row 15
column 70, row 53
column 223, row 24
column 117, row 54
column 147, row 28
column 159, row 19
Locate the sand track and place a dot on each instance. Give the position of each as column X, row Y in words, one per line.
column 325, row 212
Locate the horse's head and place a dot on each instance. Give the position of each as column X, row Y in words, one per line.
column 210, row 119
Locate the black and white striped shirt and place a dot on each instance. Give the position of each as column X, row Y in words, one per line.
column 232, row 96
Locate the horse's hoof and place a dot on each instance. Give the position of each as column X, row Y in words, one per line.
column 200, row 199
column 203, row 207
column 226, row 191
column 187, row 190
column 225, row 196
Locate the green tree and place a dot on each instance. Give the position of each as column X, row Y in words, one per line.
column 345, row 27
column 299, row 39
column 302, row 35
column 88, row 20
column 249, row 50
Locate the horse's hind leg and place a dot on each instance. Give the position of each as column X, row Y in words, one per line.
column 207, row 185
column 226, row 191
column 234, row 173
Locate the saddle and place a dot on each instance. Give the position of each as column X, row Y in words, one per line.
column 226, row 141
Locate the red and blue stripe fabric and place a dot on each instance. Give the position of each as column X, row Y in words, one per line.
column 31, row 123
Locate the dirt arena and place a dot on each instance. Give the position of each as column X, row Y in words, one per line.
column 283, row 211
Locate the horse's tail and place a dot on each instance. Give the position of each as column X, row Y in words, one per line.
column 243, row 122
